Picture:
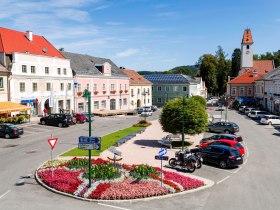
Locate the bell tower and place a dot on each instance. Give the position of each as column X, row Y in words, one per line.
column 247, row 51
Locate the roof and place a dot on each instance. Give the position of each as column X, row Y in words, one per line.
column 86, row 64
column 3, row 69
column 271, row 75
column 170, row 79
column 246, row 78
column 135, row 78
column 261, row 66
column 16, row 41
column 247, row 37
column 7, row 107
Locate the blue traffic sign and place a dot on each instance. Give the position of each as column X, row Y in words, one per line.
column 162, row 152
column 75, row 84
column 89, row 140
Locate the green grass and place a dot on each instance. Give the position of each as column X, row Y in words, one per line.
column 106, row 142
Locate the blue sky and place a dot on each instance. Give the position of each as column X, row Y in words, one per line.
column 153, row 35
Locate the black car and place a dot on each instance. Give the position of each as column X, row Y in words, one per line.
column 223, row 156
column 60, row 120
column 10, row 131
column 233, row 137
column 223, row 127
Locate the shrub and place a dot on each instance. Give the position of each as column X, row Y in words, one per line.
column 142, row 123
column 104, row 171
column 21, row 118
column 142, row 171
column 235, row 104
column 27, row 116
column 9, row 119
column 77, row 163
column 3, row 120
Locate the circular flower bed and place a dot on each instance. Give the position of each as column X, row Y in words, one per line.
column 112, row 182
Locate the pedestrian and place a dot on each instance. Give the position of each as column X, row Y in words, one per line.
column 45, row 112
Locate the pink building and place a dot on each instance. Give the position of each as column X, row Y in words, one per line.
column 108, row 85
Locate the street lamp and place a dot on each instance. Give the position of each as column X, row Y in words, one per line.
column 183, row 128
column 144, row 94
column 87, row 95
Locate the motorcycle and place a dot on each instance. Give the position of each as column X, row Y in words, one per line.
column 184, row 159
column 198, row 157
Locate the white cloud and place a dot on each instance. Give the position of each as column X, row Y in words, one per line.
column 73, row 14
column 128, row 52
column 158, row 6
column 105, row 6
column 114, row 23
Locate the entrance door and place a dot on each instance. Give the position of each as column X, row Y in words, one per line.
column 47, row 106
column 138, row 103
column 113, row 104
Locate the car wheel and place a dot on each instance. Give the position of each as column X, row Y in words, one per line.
column 43, row 123
column 227, row 132
column 223, row 164
column 7, row 136
column 60, row 125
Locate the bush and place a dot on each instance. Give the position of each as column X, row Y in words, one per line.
column 27, row 116
column 142, row 123
column 142, row 172
column 9, row 120
column 3, row 120
column 235, row 104
column 21, row 118
column 77, row 163
column 104, row 171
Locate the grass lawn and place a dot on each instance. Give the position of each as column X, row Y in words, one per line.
column 106, row 142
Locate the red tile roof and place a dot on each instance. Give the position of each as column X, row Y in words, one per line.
column 246, row 78
column 16, row 41
column 247, row 37
column 261, row 66
column 135, row 78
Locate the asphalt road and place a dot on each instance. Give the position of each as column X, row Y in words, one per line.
column 254, row 185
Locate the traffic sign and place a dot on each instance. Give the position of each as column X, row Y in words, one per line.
column 89, row 143
column 89, row 146
column 161, row 157
column 52, row 142
column 75, row 84
column 115, row 151
column 162, row 152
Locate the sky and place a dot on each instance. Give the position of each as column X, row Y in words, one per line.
column 147, row 35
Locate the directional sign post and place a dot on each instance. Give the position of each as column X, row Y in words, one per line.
column 52, row 142
column 161, row 157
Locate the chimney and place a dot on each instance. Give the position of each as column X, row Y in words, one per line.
column 29, row 35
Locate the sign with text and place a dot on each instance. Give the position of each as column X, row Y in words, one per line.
column 157, row 157
column 89, row 143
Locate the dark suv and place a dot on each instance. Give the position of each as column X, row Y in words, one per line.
column 60, row 120
column 223, row 156
column 223, row 127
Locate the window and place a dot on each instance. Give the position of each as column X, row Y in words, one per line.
column 81, row 107
column 175, row 88
column 185, row 89
column 152, row 88
column 47, row 70
column 48, row 88
column 58, row 71
column 159, row 100
column 103, row 104
column 125, row 86
column 94, row 87
column 68, row 102
column 34, row 87
column 64, row 71
column 69, row 86
column 159, row 88
column 249, row 91
column 138, row 91
column 24, row 69
column 167, row 88
column 1, row 82
column 87, row 86
column 79, row 88
column 241, row 91
column 112, row 86
column 61, row 86
column 248, row 47
column 22, row 87
column 132, row 92
column 233, row 91
column 125, row 101
column 148, row 100
column 96, row 104
column 33, row 70
column 148, row 91
column 104, row 87
column 120, row 86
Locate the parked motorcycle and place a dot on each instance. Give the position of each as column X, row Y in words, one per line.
column 197, row 154
column 184, row 159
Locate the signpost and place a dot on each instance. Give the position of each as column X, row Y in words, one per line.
column 116, row 153
column 52, row 142
column 161, row 157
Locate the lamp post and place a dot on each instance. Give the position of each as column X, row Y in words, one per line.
column 87, row 95
column 144, row 94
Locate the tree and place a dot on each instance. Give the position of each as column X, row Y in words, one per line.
column 187, row 70
column 174, row 112
column 235, row 62
column 199, row 99
column 208, row 72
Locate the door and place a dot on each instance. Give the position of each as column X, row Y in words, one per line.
column 113, row 104
column 138, row 103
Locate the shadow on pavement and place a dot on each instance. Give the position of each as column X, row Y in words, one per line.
column 147, row 143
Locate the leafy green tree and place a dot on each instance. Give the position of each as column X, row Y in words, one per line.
column 208, row 72
column 182, row 70
column 194, row 115
column 199, row 99
column 235, row 62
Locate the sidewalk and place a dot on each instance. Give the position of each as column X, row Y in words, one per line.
column 143, row 147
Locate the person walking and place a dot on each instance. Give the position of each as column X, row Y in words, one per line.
column 45, row 112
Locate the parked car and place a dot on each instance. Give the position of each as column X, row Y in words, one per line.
column 154, row 108
column 148, row 108
column 60, row 120
column 146, row 113
column 88, row 116
column 232, row 137
column 220, row 108
column 225, row 142
column 223, row 156
column 139, row 110
column 10, row 131
column 223, row 127
column 80, row 118
column 241, row 108
column 257, row 114
column 270, row 120
column 247, row 110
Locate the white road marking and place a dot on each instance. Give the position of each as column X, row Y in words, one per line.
column 223, row 179
column 116, row 207
column 245, row 162
column 247, row 151
column 5, row 194
column 240, row 167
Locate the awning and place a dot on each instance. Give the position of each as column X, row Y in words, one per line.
column 28, row 101
column 8, row 107
column 244, row 99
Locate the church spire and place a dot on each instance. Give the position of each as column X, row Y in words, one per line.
column 247, row 37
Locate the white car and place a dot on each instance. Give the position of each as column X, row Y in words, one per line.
column 257, row 114
column 146, row 113
column 270, row 120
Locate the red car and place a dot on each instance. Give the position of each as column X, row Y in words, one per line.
column 226, row 142
column 80, row 118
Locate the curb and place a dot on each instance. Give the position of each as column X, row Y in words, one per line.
column 208, row 184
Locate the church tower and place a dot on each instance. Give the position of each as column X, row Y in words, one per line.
column 247, row 51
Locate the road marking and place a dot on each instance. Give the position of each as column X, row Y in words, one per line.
column 237, row 170
column 116, row 207
column 223, row 179
column 245, row 162
column 247, row 151
column 5, row 194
